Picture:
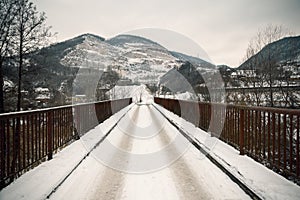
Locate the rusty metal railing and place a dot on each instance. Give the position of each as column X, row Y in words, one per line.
column 29, row 137
column 268, row 135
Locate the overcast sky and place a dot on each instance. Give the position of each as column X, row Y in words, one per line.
column 222, row 28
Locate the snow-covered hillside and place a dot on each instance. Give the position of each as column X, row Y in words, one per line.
column 91, row 53
column 134, row 58
column 122, row 60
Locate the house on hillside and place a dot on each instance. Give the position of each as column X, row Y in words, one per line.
column 43, row 96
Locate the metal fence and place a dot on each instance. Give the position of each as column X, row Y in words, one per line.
column 29, row 137
column 268, row 135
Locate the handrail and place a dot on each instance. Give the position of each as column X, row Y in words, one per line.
column 271, row 136
column 55, row 107
column 29, row 137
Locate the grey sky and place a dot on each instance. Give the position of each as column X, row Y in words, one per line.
column 222, row 28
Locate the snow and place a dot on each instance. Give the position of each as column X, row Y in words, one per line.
column 134, row 57
column 43, row 97
column 185, row 96
column 8, row 84
column 42, row 93
column 259, row 178
column 134, row 60
column 179, row 179
column 42, row 90
column 32, row 184
column 182, row 96
column 159, row 188
column 188, row 177
column 175, row 172
column 40, row 181
column 134, row 91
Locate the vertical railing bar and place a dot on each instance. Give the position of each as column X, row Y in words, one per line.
column 19, row 133
column 44, row 136
column 226, row 126
column 57, row 133
column 291, row 144
column 3, row 152
column 62, row 127
column 259, row 134
column 252, row 131
column 241, row 135
column 284, row 141
column 28, row 139
column 297, row 148
column 67, row 125
column 269, row 136
column 8, row 147
column 279, row 141
column 50, row 134
column 14, row 159
column 39, row 134
column 23, row 141
column 264, row 134
column 32, row 139
column 247, row 126
column 36, row 136
column 255, row 133
column 56, row 124
column 233, row 125
column 273, row 137
column 239, row 126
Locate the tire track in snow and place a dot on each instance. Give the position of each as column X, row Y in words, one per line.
column 198, row 145
column 184, row 179
column 112, row 182
column 61, row 182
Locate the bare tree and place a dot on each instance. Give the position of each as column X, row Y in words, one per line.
column 7, row 16
column 263, row 65
column 30, row 34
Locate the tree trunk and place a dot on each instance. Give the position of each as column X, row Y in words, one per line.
column 17, row 133
column 20, row 75
column 271, row 87
column 271, row 97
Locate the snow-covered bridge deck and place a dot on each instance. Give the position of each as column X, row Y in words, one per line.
column 143, row 156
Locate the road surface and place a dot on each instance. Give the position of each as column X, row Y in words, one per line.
column 145, row 157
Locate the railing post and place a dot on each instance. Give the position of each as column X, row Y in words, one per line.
column 50, row 134
column 76, row 122
column 241, row 133
column 3, row 153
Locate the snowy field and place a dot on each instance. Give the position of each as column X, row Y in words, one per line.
column 145, row 157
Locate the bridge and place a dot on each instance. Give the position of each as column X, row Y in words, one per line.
column 167, row 149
